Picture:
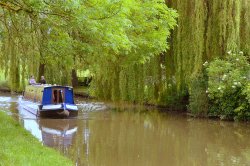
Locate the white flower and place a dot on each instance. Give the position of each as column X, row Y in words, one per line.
column 241, row 52
column 207, row 91
column 219, row 88
column 205, row 64
column 229, row 52
column 237, row 59
column 233, row 86
column 235, row 83
column 224, row 77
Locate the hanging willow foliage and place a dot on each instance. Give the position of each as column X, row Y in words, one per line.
column 136, row 75
column 19, row 48
column 206, row 29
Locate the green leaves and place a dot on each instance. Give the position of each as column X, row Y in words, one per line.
column 228, row 86
column 106, row 37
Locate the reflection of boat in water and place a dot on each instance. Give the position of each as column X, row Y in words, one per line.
column 58, row 133
column 56, row 101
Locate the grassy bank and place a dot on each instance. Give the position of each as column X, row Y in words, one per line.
column 19, row 147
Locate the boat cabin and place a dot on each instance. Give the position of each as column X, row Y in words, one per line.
column 52, row 99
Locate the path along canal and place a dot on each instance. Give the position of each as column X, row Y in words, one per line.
column 111, row 137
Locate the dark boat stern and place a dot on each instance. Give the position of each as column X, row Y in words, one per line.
column 59, row 110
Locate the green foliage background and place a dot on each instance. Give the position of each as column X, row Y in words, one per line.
column 133, row 49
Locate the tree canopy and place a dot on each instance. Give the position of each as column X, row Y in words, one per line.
column 52, row 38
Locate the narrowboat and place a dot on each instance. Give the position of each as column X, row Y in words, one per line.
column 50, row 101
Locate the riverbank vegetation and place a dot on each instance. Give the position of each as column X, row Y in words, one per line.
column 133, row 50
column 19, row 147
column 222, row 89
column 228, row 87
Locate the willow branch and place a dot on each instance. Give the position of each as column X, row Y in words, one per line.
column 9, row 6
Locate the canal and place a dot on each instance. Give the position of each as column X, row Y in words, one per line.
column 137, row 137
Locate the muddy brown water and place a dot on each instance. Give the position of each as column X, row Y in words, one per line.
column 130, row 137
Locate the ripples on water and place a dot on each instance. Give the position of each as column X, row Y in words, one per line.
column 132, row 137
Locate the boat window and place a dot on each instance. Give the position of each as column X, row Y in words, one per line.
column 58, row 96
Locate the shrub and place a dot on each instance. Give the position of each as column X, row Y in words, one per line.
column 198, row 99
column 228, row 87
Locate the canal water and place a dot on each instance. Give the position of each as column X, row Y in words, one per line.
column 137, row 137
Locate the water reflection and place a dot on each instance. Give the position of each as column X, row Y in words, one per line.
column 8, row 104
column 153, row 138
column 56, row 133
column 139, row 138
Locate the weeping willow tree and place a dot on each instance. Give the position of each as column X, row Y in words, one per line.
column 22, row 43
column 19, row 48
column 206, row 30
column 133, row 73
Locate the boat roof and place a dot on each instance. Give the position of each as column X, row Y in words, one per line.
column 49, row 85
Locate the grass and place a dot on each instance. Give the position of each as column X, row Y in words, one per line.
column 19, row 147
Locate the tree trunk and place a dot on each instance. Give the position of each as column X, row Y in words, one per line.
column 41, row 71
column 74, row 78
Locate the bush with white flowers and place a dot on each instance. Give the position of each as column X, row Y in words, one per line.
column 229, row 87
